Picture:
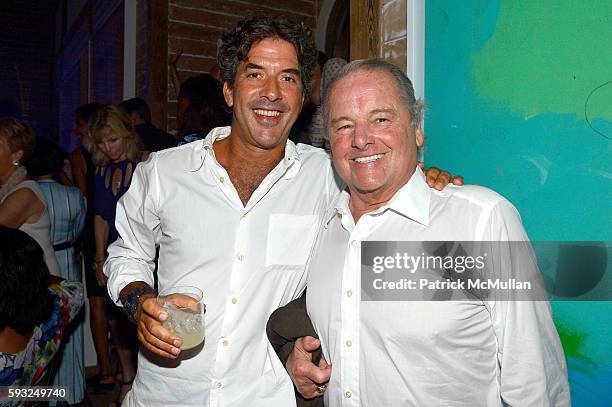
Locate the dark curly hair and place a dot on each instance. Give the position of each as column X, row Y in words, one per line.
column 25, row 299
column 236, row 44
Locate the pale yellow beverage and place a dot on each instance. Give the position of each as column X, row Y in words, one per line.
column 185, row 314
column 187, row 324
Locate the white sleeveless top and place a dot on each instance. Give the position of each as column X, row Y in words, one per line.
column 41, row 229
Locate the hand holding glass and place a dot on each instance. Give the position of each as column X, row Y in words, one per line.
column 185, row 314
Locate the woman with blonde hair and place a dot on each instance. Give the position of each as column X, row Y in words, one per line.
column 22, row 203
column 115, row 150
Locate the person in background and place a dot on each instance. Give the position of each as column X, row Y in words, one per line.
column 22, row 203
column 66, row 207
column 201, row 106
column 83, row 172
column 316, row 130
column 35, row 310
column 203, row 90
column 115, row 152
column 205, row 112
column 300, row 132
column 153, row 139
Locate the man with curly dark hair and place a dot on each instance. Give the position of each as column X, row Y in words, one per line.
column 234, row 214
column 236, row 44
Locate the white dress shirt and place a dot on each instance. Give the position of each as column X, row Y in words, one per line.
column 248, row 260
column 426, row 353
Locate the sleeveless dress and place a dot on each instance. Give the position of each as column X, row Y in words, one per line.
column 66, row 207
column 41, row 229
column 112, row 180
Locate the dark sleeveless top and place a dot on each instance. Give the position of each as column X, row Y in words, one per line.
column 111, row 182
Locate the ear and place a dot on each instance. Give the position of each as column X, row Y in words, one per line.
column 419, row 136
column 228, row 93
column 17, row 155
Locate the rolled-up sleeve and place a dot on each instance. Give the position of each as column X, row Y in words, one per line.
column 132, row 256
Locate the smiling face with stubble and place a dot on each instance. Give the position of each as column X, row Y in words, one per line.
column 266, row 95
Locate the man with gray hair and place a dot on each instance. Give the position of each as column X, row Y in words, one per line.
column 470, row 352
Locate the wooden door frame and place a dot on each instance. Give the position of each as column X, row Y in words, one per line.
column 365, row 29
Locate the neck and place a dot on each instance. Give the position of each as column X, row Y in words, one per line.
column 231, row 151
column 13, row 342
column 360, row 206
column 362, row 202
column 45, row 177
column 5, row 177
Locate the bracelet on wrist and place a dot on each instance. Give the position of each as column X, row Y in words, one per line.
column 132, row 301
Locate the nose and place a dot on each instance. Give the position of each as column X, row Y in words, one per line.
column 361, row 137
column 271, row 89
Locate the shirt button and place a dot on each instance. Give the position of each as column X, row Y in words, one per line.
column 234, row 300
column 354, row 243
column 221, row 180
column 225, row 343
column 240, row 257
column 219, row 384
column 349, row 344
column 348, row 394
column 349, row 293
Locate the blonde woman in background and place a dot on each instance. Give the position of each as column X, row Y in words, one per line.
column 115, row 148
column 22, row 203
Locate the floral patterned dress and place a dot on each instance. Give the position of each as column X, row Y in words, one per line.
column 27, row 367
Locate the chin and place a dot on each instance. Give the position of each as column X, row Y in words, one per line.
column 271, row 141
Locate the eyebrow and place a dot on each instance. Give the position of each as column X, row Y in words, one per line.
column 339, row 119
column 371, row 113
column 385, row 110
column 251, row 65
column 292, row 71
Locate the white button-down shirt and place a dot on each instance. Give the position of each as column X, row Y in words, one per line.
column 248, row 261
column 426, row 353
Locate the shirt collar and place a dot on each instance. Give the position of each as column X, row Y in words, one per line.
column 203, row 147
column 291, row 160
column 412, row 201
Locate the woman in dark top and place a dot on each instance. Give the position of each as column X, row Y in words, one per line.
column 83, row 172
column 115, row 154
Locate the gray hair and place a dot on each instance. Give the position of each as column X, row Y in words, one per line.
column 414, row 106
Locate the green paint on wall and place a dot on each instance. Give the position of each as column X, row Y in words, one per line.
column 547, row 57
column 573, row 343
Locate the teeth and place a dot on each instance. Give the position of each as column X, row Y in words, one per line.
column 267, row 112
column 371, row 158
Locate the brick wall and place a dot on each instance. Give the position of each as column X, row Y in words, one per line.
column 26, row 61
column 143, row 67
column 195, row 26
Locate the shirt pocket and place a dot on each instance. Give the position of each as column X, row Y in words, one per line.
column 290, row 239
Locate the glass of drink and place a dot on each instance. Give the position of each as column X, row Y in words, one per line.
column 185, row 314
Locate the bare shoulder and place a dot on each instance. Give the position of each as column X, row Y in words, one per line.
column 21, row 206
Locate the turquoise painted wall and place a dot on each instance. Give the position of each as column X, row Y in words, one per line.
column 519, row 99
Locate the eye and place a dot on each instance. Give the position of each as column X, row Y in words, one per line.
column 345, row 127
column 289, row 79
column 253, row 75
column 381, row 120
